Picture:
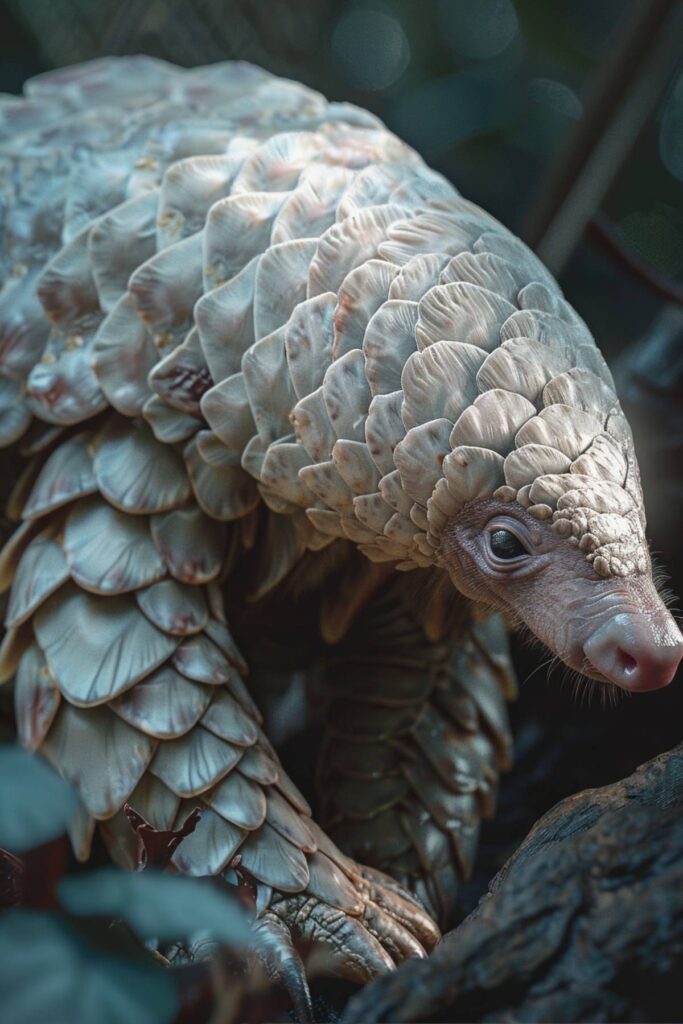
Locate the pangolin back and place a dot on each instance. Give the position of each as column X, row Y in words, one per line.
column 224, row 291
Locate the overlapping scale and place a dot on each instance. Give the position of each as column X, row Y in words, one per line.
column 272, row 859
column 165, row 288
column 347, row 244
column 360, row 295
column 191, row 544
column 238, row 228
column 174, row 607
column 117, row 645
column 123, row 354
column 239, row 800
column 280, row 283
column 42, row 569
column 36, row 698
column 191, row 764
column 128, row 560
column 182, row 377
column 189, row 189
column 165, row 704
column 101, row 756
column 210, row 846
column 310, row 208
column 135, row 472
column 388, row 342
column 225, row 322
column 308, row 342
column 118, row 243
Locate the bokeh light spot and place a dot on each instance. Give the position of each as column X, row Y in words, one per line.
column 478, row 30
column 371, row 47
column 446, row 111
column 556, row 97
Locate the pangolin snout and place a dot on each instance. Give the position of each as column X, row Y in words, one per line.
column 635, row 652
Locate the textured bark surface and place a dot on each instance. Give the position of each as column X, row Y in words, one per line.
column 584, row 922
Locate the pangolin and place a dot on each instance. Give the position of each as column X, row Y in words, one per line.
column 259, row 359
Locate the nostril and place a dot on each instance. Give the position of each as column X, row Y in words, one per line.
column 627, row 662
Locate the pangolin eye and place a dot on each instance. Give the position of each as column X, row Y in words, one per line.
column 505, row 545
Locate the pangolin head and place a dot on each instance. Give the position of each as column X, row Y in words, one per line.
column 536, row 506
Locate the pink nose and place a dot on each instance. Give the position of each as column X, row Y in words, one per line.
column 635, row 652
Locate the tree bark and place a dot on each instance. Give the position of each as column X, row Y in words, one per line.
column 583, row 923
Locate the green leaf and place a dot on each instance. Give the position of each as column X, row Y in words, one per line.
column 35, row 804
column 49, row 976
column 157, row 905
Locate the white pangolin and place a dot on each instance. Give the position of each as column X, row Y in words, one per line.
column 247, row 338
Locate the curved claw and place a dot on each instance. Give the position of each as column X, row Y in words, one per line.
column 283, row 964
column 356, row 955
column 386, row 927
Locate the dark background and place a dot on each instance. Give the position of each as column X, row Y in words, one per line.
column 510, row 99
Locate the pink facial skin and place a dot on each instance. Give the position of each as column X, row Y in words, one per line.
column 614, row 629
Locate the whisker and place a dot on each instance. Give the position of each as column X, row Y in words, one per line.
column 584, row 689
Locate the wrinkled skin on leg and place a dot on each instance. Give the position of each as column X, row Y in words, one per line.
column 615, row 629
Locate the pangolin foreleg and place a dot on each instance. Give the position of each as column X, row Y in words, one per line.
column 416, row 734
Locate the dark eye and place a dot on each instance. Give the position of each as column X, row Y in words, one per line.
column 505, row 545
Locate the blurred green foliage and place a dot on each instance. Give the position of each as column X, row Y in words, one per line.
column 72, row 949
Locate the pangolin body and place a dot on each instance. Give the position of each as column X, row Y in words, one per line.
column 237, row 314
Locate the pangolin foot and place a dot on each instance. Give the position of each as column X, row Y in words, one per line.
column 378, row 928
